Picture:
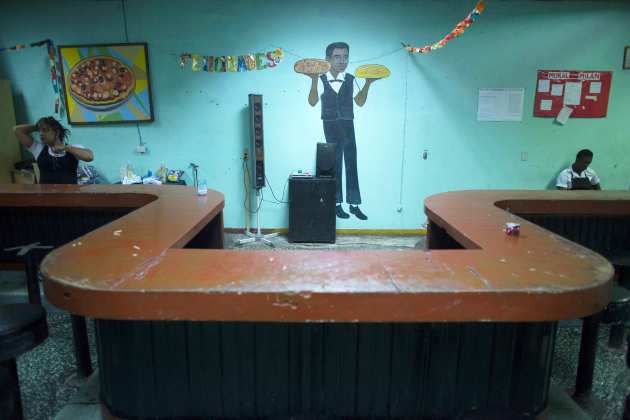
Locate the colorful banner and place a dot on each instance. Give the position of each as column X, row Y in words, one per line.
column 232, row 63
column 459, row 29
column 54, row 75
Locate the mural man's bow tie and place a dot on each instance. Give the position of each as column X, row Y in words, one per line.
column 335, row 80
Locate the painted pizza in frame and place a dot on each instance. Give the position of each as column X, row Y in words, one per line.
column 106, row 83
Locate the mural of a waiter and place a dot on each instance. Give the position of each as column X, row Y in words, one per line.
column 338, row 94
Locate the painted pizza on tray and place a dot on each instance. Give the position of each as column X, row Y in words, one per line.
column 101, row 81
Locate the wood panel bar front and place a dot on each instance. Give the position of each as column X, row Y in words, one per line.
column 323, row 369
column 327, row 333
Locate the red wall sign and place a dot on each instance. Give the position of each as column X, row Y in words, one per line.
column 584, row 91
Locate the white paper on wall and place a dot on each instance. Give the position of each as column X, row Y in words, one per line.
column 563, row 115
column 545, row 104
column 543, row 85
column 556, row 89
column 500, row 104
column 596, row 87
column 572, row 93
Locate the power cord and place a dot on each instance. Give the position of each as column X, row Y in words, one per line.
column 281, row 201
column 246, row 179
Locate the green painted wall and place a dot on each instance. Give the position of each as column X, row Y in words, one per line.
column 429, row 102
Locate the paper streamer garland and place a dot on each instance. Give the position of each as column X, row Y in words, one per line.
column 459, row 29
column 19, row 47
column 54, row 75
column 232, row 63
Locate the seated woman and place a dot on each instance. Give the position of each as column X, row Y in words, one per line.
column 56, row 159
column 579, row 176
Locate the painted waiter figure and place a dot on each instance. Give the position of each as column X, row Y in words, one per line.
column 338, row 119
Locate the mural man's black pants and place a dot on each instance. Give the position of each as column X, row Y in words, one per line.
column 341, row 132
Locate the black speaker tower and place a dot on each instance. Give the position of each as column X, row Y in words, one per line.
column 257, row 136
column 325, row 162
column 258, row 167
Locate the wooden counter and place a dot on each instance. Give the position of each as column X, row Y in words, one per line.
column 143, row 272
column 467, row 326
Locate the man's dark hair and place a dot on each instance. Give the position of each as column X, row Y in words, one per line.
column 331, row 47
column 51, row 122
column 583, row 154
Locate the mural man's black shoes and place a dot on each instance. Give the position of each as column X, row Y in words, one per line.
column 358, row 213
column 340, row 213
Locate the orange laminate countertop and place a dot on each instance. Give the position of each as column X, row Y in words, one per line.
column 135, row 268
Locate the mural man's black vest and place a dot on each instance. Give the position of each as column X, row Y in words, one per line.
column 337, row 106
column 57, row 170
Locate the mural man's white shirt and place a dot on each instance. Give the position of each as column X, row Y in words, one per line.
column 336, row 86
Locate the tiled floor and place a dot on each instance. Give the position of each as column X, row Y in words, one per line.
column 49, row 383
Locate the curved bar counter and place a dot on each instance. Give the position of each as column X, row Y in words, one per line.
column 143, row 273
column 431, row 334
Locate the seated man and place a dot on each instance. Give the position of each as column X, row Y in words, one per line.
column 579, row 176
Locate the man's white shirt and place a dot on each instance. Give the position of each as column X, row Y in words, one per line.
column 564, row 178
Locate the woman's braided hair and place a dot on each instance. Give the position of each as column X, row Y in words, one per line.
column 51, row 122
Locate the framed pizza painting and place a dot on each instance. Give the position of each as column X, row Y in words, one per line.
column 106, row 83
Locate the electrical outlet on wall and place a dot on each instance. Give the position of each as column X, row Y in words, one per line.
column 141, row 149
column 524, row 156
